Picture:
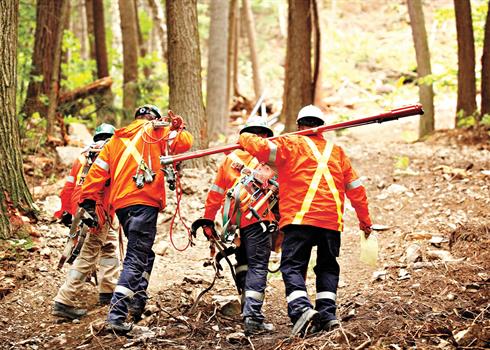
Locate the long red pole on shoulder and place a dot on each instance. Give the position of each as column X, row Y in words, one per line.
column 394, row 114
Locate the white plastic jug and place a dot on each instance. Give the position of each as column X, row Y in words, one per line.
column 369, row 249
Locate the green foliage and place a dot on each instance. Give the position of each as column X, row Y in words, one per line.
column 76, row 71
column 485, row 120
column 402, row 162
column 153, row 89
column 466, row 121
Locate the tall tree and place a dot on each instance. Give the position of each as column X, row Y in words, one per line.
column 105, row 105
column 319, row 49
column 230, row 47
column 14, row 194
column 426, row 93
column 47, row 26
column 55, row 77
column 141, row 41
column 466, row 104
column 161, row 28
column 236, row 49
column 89, row 12
column 485, row 68
column 130, row 56
column 298, row 85
column 184, row 69
column 216, row 102
column 250, row 24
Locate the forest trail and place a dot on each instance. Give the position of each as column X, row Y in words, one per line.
column 430, row 288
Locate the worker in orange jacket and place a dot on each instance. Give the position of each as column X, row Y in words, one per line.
column 100, row 244
column 131, row 162
column 315, row 175
column 254, row 250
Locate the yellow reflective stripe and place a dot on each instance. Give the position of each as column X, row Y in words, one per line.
column 322, row 170
column 130, row 149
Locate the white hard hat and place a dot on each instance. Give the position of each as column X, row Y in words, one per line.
column 257, row 124
column 310, row 111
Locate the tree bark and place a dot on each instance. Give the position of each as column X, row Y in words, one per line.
column 318, row 52
column 89, row 12
column 184, row 69
column 14, row 194
column 55, row 77
column 422, row 53
column 485, row 68
column 250, row 23
column 216, row 103
column 466, row 104
column 236, row 50
column 105, row 105
column 157, row 14
column 230, row 47
column 298, row 86
column 47, row 25
column 141, row 41
column 130, row 56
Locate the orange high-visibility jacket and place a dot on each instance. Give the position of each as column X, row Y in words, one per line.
column 120, row 159
column 228, row 175
column 314, row 176
column 70, row 194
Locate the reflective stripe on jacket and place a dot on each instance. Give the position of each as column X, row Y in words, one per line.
column 70, row 194
column 314, row 177
column 226, row 178
column 119, row 161
column 66, row 193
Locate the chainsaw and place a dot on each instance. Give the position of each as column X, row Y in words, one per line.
column 76, row 238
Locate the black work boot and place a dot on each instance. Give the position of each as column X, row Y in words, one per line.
column 136, row 309
column 121, row 328
column 67, row 311
column 252, row 326
column 327, row 326
column 105, row 298
column 308, row 316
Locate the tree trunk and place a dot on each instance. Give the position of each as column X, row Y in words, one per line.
column 47, row 25
column 105, row 108
column 250, row 23
column 14, row 194
column 216, row 103
column 158, row 23
column 130, row 57
column 485, row 69
column 298, row 87
column 236, row 50
column 184, row 69
column 89, row 11
column 80, row 28
column 55, row 77
column 466, row 104
column 426, row 93
column 230, row 48
column 141, row 41
column 318, row 53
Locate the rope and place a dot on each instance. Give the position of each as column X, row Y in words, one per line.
column 178, row 193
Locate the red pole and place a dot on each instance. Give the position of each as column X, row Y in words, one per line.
column 394, row 114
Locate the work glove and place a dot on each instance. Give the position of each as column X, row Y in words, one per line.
column 176, row 121
column 66, row 219
column 366, row 228
column 91, row 219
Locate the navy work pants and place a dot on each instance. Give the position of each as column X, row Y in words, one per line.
column 254, row 251
column 296, row 250
column 139, row 226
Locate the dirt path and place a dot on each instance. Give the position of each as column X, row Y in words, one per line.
column 432, row 289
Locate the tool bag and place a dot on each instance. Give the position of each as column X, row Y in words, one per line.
column 242, row 198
